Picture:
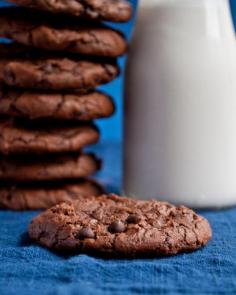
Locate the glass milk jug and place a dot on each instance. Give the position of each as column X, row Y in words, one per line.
column 180, row 122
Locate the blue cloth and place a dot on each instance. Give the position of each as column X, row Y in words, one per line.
column 27, row 269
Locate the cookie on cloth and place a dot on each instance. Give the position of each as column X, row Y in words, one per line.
column 45, row 137
column 49, row 32
column 25, row 67
column 111, row 10
column 121, row 227
column 49, row 167
column 62, row 106
column 45, row 195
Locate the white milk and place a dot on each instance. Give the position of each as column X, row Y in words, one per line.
column 180, row 142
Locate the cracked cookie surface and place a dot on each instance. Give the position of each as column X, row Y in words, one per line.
column 45, row 195
column 50, row 167
column 111, row 10
column 24, row 67
column 42, row 30
column 111, row 225
column 63, row 106
column 46, row 137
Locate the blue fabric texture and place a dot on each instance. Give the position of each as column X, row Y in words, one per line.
column 27, row 269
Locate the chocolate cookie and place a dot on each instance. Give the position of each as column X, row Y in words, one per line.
column 42, row 30
column 45, row 195
column 27, row 68
column 25, row 137
column 50, row 167
column 111, row 10
column 116, row 226
column 63, row 106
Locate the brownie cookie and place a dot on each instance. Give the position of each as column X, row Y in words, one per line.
column 45, row 195
column 111, row 10
column 63, row 106
column 25, row 68
column 46, row 137
column 50, row 167
column 42, row 30
column 115, row 226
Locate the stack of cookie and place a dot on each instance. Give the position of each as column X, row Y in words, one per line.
column 60, row 52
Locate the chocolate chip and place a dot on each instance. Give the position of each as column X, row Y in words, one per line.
column 85, row 233
column 116, row 227
column 133, row 218
column 9, row 196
